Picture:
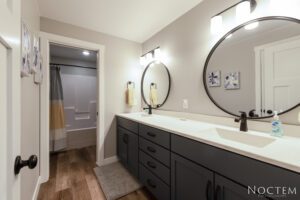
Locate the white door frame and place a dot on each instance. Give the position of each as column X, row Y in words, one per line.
column 46, row 39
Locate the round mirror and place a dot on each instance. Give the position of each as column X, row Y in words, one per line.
column 156, row 84
column 255, row 68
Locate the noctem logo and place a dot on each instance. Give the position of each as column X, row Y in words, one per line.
column 272, row 191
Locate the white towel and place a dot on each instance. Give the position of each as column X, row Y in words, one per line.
column 130, row 96
column 153, row 97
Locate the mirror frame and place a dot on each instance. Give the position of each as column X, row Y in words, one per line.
column 142, row 83
column 221, row 40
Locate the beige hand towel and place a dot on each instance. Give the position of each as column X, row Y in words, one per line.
column 130, row 96
column 153, row 97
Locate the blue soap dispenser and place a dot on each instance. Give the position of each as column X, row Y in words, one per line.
column 277, row 130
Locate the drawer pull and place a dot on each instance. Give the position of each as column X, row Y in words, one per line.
column 209, row 190
column 151, row 164
column 151, row 134
column 151, row 184
column 219, row 193
column 151, row 149
column 125, row 138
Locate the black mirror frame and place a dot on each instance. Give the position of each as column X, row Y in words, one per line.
column 142, row 83
column 221, row 40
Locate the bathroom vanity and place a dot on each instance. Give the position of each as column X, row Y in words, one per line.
column 181, row 160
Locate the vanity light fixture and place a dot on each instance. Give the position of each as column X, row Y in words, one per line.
column 86, row 53
column 154, row 54
column 243, row 10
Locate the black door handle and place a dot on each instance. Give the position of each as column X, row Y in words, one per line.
column 19, row 163
column 209, row 190
column 151, row 149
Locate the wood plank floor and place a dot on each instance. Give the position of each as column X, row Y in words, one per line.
column 72, row 178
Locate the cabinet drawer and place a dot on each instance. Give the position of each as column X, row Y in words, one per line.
column 156, row 151
column 155, row 167
column 155, row 135
column 158, row 188
column 128, row 124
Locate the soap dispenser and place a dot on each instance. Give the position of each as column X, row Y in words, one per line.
column 277, row 130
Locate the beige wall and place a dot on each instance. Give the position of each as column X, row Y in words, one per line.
column 121, row 65
column 30, row 137
column 186, row 44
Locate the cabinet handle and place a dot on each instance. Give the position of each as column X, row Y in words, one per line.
column 151, row 184
column 151, row 149
column 219, row 193
column 209, row 190
column 125, row 139
column 151, row 164
column 151, row 134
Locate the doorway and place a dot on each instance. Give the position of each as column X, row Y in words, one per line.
column 46, row 41
column 73, row 98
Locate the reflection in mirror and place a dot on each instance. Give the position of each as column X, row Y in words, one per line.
column 256, row 68
column 156, row 84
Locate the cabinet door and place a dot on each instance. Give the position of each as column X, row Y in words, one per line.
column 133, row 153
column 190, row 181
column 225, row 189
column 122, row 150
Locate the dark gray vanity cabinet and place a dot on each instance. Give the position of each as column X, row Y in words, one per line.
column 190, row 181
column 178, row 168
column 127, row 146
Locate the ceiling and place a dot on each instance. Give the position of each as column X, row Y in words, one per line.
column 135, row 20
column 72, row 53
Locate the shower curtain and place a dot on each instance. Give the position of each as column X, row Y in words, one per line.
column 58, row 135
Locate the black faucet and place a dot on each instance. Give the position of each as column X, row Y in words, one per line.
column 149, row 109
column 243, row 120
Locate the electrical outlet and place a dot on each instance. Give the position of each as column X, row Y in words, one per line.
column 185, row 104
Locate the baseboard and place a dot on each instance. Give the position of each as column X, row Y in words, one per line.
column 110, row 160
column 37, row 189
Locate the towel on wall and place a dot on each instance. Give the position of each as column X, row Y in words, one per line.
column 130, row 96
column 153, row 96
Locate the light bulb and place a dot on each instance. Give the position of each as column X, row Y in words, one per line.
column 86, row 53
column 157, row 54
column 243, row 11
column 149, row 57
column 216, row 24
column 142, row 60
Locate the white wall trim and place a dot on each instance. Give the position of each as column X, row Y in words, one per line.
column 46, row 39
column 109, row 160
column 37, row 188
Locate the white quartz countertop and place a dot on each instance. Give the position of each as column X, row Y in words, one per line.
column 283, row 152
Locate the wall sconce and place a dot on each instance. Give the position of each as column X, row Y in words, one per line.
column 154, row 54
column 243, row 11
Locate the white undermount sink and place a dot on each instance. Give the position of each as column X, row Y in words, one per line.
column 242, row 137
column 145, row 115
